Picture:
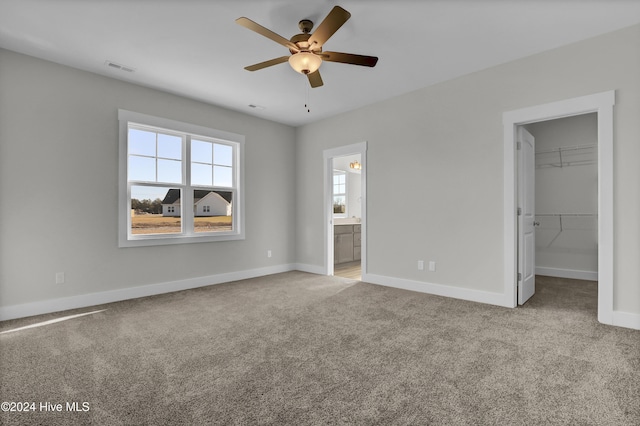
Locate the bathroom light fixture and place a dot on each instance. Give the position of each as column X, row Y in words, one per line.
column 355, row 165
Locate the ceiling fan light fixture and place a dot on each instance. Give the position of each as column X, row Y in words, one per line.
column 305, row 62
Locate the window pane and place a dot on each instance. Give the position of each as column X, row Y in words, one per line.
column 142, row 168
column 201, row 174
column 201, row 151
column 169, row 171
column 155, row 210
column 222, row 155
column 142, row 142
column 222, row 176
column 213, row 211
column 169, row 146
column 339, row 183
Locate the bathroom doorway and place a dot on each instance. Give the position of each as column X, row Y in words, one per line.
column 345, row 211
column 347, row 216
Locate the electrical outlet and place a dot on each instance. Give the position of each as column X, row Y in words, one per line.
column 59, row 277
column 432, row 266
column 420, row 265
column 268, row 253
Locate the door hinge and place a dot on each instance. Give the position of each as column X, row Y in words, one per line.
column 519, row 276
column 518, row 145
column 519, row 211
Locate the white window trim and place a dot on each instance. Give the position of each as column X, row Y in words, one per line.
column 124, row 216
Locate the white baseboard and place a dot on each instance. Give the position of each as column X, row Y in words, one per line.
column 92, row 299
column 497, row 299
column 312, row 269
column 620, row 319
column 626, row 319
column 567, row 273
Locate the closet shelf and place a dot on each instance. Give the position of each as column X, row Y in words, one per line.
column 567, row 156
column 560, row 226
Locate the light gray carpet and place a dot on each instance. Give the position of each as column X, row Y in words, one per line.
column 299, row 349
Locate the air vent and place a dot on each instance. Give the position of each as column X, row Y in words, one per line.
column 119, row 66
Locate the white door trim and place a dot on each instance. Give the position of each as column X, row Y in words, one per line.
column 601, row 103
column 328, row 156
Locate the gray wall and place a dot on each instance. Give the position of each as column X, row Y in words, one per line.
column 59, row 186
column 573, row 244
column 439, row 152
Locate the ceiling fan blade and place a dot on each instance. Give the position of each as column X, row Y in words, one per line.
column 314, row 79
column 350, row 58
column 265, row 64
column 334, row 20
column 253, row 26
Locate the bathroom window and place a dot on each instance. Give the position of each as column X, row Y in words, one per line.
column 339, row 193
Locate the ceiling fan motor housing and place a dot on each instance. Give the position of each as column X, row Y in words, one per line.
column 301, row 40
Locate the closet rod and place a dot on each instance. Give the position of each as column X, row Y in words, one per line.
column 561, row 216
column 567, row 214
column 566, row 148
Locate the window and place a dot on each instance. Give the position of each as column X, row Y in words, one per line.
column 339, row 193
column 179, row 183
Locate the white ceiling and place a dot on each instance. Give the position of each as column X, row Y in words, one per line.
column 195, row 49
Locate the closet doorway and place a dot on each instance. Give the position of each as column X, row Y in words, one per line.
column 566, row 205
column 602, row 105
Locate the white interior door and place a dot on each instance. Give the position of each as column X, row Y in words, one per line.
column 526, row 216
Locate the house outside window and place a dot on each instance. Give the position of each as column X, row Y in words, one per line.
column 166, row 165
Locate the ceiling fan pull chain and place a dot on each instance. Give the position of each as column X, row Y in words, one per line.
column 306, row 99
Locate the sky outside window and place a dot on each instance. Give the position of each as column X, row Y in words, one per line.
column 157, row 157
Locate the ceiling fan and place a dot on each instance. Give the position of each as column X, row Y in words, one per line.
column 306, row 48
